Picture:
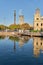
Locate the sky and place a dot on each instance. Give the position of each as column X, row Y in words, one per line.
column 28, row 8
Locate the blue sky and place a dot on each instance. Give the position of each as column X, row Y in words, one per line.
column 7, row 8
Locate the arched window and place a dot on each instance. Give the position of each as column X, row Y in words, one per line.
column 37, row 24
column 41, row 43
column 37, row 18
column 36, row 43
column 41, row 24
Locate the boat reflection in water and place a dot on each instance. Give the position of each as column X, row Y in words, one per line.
column 37, row 45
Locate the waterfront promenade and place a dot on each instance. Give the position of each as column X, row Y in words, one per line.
column 31, row 34
column 8, row 33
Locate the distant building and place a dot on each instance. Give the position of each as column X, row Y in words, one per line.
column 38, row 20
column 14, row 16
column 21, row 19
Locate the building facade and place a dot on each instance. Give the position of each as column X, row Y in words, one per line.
column 38, row 20
column 21, row 19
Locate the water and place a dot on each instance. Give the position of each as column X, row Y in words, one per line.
column 21, row 51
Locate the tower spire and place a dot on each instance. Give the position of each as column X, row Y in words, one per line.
column 37, row 11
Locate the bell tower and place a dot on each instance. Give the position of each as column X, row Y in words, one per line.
column 37, row 15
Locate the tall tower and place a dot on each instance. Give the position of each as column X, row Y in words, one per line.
column 37, row 20
column 21, row 17
column 14, row 16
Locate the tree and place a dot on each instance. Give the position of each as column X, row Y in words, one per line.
column 25, row 26
column 13, row 26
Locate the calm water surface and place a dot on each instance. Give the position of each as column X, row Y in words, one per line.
column 21, row 51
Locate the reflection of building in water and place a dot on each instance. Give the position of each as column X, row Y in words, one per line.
column 38, row 45
column 2, row 37
column 14, row 45
column 22, row 40
column 14, row 39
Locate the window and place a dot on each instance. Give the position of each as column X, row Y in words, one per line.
column 41, row 24
column 41, row 43
column 37, row 18
column 37, row 24
column 37, row 43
